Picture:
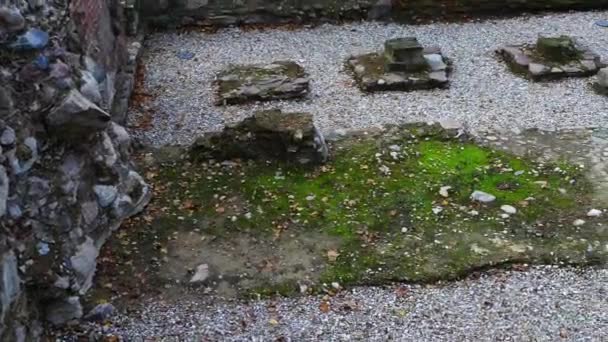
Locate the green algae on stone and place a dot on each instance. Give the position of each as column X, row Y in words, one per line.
column 374, row 214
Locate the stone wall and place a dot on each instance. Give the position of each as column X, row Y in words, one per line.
column 228, row 12
column 66, row 181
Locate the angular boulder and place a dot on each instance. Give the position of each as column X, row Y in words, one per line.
column 77, row 116
column 267, row 135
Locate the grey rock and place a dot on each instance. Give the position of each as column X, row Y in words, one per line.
column 10, row 282
column 64, row 310
column 590, row 66
column 8, row 136
column 90, row 88
column 101, row 312
column 266, row 135
column 22, row 166
column 439, row 76
column 106, row 194
column 90, row 211
column 4, row 190
column 11, row 20
column 83, row 263
column 435, row 62
column 123, row 206
column 77, row 116
column 483, row 197
column 201, row 274
column 6, row 102
column 537, row 69
column 261, row 82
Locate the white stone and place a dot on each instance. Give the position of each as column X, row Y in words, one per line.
column 509, row 209
column 482, row 197
column 435, row 61
column 594, row 213
column 201, row 274
column 578, row 222
column 444, row 191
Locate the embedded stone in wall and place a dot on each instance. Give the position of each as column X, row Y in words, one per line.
column 404, row 65
column 274, row 81
column 267, row 135
column 551, row 58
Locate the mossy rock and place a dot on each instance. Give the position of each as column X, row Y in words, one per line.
column 560, row 49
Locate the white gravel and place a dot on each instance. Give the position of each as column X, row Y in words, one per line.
column 483, row 95
column 543, row 304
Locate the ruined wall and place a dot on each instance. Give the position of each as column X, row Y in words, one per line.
column 229, row 12
column 66, row 181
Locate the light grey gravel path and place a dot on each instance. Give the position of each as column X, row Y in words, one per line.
column 542, row 304
column 484, row 94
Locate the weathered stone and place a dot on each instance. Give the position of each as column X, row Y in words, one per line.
column 11, row 20
column 558, row 49
column 10, row 282
column 8, row 137
column 387, row 71
column 602, row 78
column 106, row 194
column 404, row 54
column 64, row 310
column 266, row 135
column 483, row 197
column 77, row 116
column 435, row 62
column 101, row 312
column 551, row 58
column 538, row 69
column 274, row 81
column 83, row 262
column 33, row 39
column 6, row 102
column 4, row 190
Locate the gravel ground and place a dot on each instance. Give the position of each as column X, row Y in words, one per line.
column 483, row 95
column 542, row 304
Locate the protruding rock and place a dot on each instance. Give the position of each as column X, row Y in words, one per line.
column 509, row 209
column 64, row 310
column 101, row 312
column 77, row 116
column 266, row 135
column 201, row 274
column 559, row 49
column 483, row 197
column 404, row 54
column 11, row 20
column 404, row 65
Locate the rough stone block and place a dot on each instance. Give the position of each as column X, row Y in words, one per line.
column 418, row 68
column 267, row 135
column 274, row 81
column 551, row 58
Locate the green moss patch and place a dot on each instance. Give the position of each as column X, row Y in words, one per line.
column 374, row 214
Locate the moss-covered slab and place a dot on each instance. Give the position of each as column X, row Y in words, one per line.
column 393, row 206
column 263, row 82
column 419, row 69
column 551, row 58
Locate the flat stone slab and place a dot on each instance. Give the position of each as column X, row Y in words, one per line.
column 370, row 73
column 527, row 60
column 261, row 82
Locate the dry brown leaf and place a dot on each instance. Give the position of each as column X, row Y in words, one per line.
column 324, row 306
column 332, row 255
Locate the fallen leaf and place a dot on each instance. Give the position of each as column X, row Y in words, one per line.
column 332, row 255
column 324, row 307
column 401, row 291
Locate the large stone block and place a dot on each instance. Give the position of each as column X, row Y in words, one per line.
column 404, row 54
column 261, row 82
column 267, row 135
